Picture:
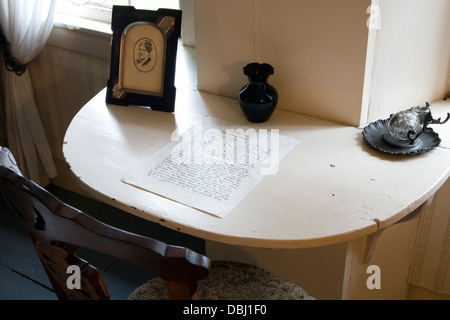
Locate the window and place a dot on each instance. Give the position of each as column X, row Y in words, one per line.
column 96, row 14
column 100, row 10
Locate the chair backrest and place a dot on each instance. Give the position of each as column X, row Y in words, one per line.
column 57, row 230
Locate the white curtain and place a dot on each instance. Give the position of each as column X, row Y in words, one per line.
column 27, row 25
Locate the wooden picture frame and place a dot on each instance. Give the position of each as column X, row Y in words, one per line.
column 143, row 57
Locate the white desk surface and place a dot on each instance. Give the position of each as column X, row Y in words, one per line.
column 331, row 188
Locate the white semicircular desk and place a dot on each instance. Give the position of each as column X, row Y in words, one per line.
column 332, row 191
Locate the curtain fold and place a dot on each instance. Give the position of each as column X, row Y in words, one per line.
column 27, row 25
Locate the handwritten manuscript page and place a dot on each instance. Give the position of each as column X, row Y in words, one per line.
column 211, row 166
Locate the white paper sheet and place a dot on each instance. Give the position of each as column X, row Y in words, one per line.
column 212, row 166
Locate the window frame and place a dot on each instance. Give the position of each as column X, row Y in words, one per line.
column 91, row 9
column 79, row 29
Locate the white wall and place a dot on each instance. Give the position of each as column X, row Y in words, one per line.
column 317, row 48
column 411, row 56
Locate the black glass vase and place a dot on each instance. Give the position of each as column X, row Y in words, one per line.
column 258, row 99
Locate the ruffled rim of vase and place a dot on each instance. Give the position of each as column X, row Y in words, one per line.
column 259, row 70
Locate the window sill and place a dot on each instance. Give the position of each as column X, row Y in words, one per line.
column 85, row 25
column 81, row 35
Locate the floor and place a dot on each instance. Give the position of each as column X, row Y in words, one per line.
column 22, row 276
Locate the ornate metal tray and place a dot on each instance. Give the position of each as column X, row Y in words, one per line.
column 376, row 134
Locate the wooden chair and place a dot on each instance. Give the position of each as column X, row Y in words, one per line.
column 57, row 230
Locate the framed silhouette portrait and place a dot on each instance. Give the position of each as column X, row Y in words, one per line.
column 143, row 57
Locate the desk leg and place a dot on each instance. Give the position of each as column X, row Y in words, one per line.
column 385, row 275
column 337, row 271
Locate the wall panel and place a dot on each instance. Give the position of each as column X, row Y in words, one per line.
column 317, row 48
